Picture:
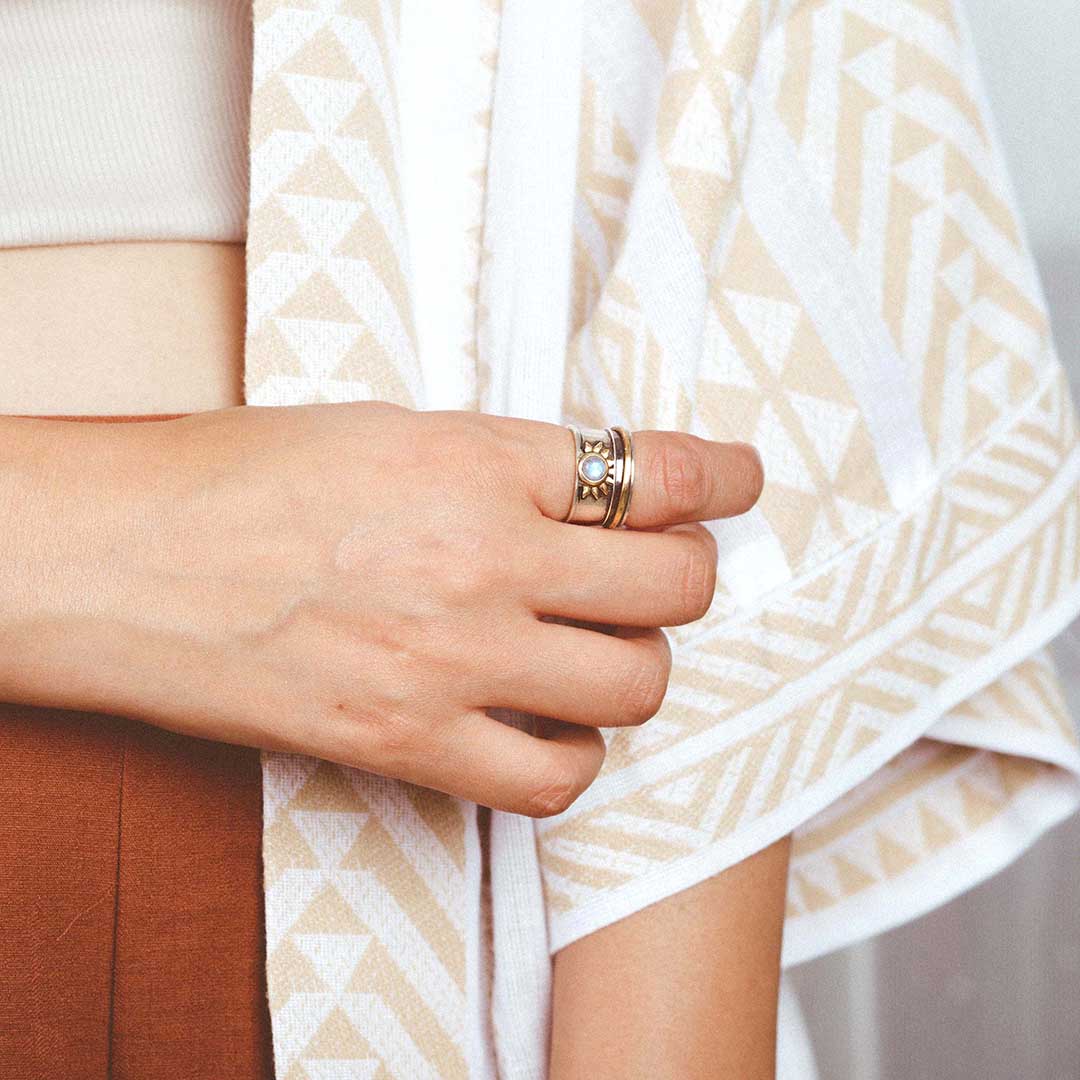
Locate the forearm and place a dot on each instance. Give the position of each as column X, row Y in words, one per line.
column 686, row 988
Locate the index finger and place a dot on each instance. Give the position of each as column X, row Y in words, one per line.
column 678, row 477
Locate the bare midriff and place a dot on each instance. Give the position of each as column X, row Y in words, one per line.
column 121, row 328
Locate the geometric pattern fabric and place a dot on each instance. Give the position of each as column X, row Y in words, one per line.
column 792, row 226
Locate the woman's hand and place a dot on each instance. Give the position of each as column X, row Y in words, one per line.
column 359, row 582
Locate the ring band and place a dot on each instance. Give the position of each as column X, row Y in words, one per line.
column 603, row 476
column 626, row 480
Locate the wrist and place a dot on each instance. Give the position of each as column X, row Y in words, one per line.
column 72, row 509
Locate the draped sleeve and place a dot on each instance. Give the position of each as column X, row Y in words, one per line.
column 793, row 227
column 780, row 221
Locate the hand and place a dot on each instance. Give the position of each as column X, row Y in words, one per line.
column 361, row 582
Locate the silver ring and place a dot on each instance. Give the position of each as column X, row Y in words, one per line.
column 603, row 476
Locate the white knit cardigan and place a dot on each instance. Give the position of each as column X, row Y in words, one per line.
column 786, row 222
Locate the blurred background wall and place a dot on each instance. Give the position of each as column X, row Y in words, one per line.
column 988, row 987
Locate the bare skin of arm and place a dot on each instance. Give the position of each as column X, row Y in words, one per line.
column 685, row 989
column 158, row 327
column 357, row 581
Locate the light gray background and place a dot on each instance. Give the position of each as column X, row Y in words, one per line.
column 988, row 987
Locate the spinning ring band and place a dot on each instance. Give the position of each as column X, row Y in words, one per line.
column 603, row 476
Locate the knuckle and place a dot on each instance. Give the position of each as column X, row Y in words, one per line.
column 644, row 690
column 552, row 794
column 682, row 475
column 488, row 457
column 473, row 448
column 697, row 579
column 747, row 477
column 380, row 405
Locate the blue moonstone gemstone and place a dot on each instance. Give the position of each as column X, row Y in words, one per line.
column 593, row 468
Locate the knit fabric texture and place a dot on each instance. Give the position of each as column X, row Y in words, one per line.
column 787, row 223
column 123, row 120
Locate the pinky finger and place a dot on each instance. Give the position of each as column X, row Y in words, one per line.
column 480, row 758
column 509, row 769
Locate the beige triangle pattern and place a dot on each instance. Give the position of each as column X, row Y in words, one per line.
column 935, row 801
column 742, row 665
column 330, row 319
column 312, row 175
column 937, row 191
column 826, row 686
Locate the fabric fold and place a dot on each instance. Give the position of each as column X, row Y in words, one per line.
column 786, row 223
column 854, row 297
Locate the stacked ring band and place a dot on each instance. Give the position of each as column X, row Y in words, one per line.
column 603, row 476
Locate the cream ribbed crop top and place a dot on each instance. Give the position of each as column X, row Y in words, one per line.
column 123, row 120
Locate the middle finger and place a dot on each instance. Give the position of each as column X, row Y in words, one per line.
column 622, row 576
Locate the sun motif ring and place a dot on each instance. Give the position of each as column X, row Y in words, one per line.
column 603, row 476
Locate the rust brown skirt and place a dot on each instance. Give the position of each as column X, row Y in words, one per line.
column 131, row 908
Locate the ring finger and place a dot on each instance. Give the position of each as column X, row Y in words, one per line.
column 622, row 576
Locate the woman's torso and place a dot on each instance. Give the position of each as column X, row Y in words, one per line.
column 121, row 327
column 123, row 192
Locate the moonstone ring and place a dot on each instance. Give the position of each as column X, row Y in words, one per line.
column 603, row 476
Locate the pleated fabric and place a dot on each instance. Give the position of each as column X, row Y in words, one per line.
column 782, row 221
column 131, row 902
